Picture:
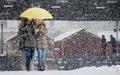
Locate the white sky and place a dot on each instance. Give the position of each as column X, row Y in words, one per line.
column 104, row 70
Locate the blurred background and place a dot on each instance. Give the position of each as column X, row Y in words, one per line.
column 99, row 17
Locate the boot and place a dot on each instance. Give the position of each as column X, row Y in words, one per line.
column 41, row 68
column 27, row 67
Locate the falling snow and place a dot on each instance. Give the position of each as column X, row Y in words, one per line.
column 70, row 16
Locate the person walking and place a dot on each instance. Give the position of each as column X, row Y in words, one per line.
column 41, row 44
column 27, row 43
column 114, row 44
column 104, row 44
column 22, row 33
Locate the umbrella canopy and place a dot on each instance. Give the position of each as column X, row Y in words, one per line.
column 36, row 13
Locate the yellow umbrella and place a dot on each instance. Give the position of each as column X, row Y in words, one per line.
column 36, row 13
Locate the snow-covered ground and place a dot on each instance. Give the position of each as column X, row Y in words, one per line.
column 104, row 70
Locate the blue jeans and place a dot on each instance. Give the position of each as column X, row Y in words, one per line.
column 29, row 54
column 41, row 55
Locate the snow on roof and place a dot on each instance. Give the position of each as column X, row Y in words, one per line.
column 10, row 37
column 66, row 34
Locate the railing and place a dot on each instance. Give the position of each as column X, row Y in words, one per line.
column 75, row 62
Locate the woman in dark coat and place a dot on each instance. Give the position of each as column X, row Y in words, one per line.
column 104, row 44
column 114, row 44
column 26, row 34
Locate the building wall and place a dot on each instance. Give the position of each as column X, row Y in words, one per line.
column 79, row 44
column 91, row 26
column 57, row 27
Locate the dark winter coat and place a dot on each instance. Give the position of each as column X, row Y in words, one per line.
column 26, row 36
column 113, row 42
column 103, row 42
